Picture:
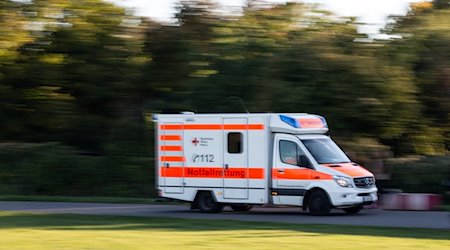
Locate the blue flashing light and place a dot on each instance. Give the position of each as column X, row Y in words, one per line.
column 289, row 120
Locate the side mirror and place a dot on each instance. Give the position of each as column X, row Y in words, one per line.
column 303, row 161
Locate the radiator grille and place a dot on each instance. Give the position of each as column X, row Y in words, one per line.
column 364, row 182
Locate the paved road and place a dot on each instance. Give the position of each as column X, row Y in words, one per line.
column 370, row 217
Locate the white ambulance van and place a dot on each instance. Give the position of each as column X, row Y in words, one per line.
column 240, row 160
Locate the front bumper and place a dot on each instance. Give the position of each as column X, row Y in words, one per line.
column 352, row 197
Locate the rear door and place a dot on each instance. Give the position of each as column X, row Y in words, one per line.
column 172, row 157
column 235, row 167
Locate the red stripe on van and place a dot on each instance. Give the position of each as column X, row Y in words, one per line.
column 299, row 174
column 171, row 172
column 203, row 126
column 170, row 137
column 171, row 148
column 172, row 158
column 212, row 127
column 171, row 126
column 256, row 126
column 243, row 126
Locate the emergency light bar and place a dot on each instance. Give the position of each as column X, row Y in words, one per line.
column 309, row 121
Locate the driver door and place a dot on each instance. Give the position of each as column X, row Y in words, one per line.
column 289, row 180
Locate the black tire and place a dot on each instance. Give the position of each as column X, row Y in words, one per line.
column 241, row 208
column 318, row 203
column 353, row 210
column 207, row 203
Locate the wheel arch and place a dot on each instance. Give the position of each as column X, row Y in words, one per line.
column 308, row 194
column 194, row 204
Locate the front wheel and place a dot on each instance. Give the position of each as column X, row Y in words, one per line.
column 353, row 210
column 319, row 204
column 208, row 204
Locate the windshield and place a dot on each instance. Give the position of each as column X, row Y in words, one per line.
column 325, row 151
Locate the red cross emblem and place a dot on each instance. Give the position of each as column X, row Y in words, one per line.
column 195, row 141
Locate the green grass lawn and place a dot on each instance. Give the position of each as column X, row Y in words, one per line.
column 57, row 231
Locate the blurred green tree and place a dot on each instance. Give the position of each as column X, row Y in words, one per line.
column 423, row 50
column 86, row 74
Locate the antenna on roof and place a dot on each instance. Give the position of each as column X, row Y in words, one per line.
column 240, row 100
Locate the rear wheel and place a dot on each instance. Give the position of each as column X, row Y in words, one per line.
column 241, row 208
column 353, row 210
column 208, row 204
column 319, row 204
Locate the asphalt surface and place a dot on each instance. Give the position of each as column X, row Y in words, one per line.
column 368, row 217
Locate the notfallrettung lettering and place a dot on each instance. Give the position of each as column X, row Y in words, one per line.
column 214, row 172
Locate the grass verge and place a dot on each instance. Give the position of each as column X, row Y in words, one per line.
column 62, row 231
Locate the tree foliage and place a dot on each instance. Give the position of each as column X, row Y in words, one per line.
column 423, row 50
column 80, row 71
column 86, row 74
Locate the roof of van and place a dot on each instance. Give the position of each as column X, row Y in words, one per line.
column 292, row 123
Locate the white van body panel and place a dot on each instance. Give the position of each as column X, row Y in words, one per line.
column 237, row 158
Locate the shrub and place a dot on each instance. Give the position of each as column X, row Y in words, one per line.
column 421, row 174
column 54, row 169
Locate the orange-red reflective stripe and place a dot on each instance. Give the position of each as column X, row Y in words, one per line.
column 294, row 174
column 172, row 158
column 300, row 174
column 243, row 126
column 171, row 126
column 315, row 175
column 171, row 148
column 256, row 126
column 170, row 137
column 235, row 126
column 171, row 172
column 204, row 126
column 212, row 127
column 256, row 173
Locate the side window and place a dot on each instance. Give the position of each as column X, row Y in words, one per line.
column 289, row 152
column 235, row 143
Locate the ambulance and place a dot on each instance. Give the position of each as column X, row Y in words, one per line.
column 241, row 160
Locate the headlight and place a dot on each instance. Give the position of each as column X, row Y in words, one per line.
column 343, row 181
